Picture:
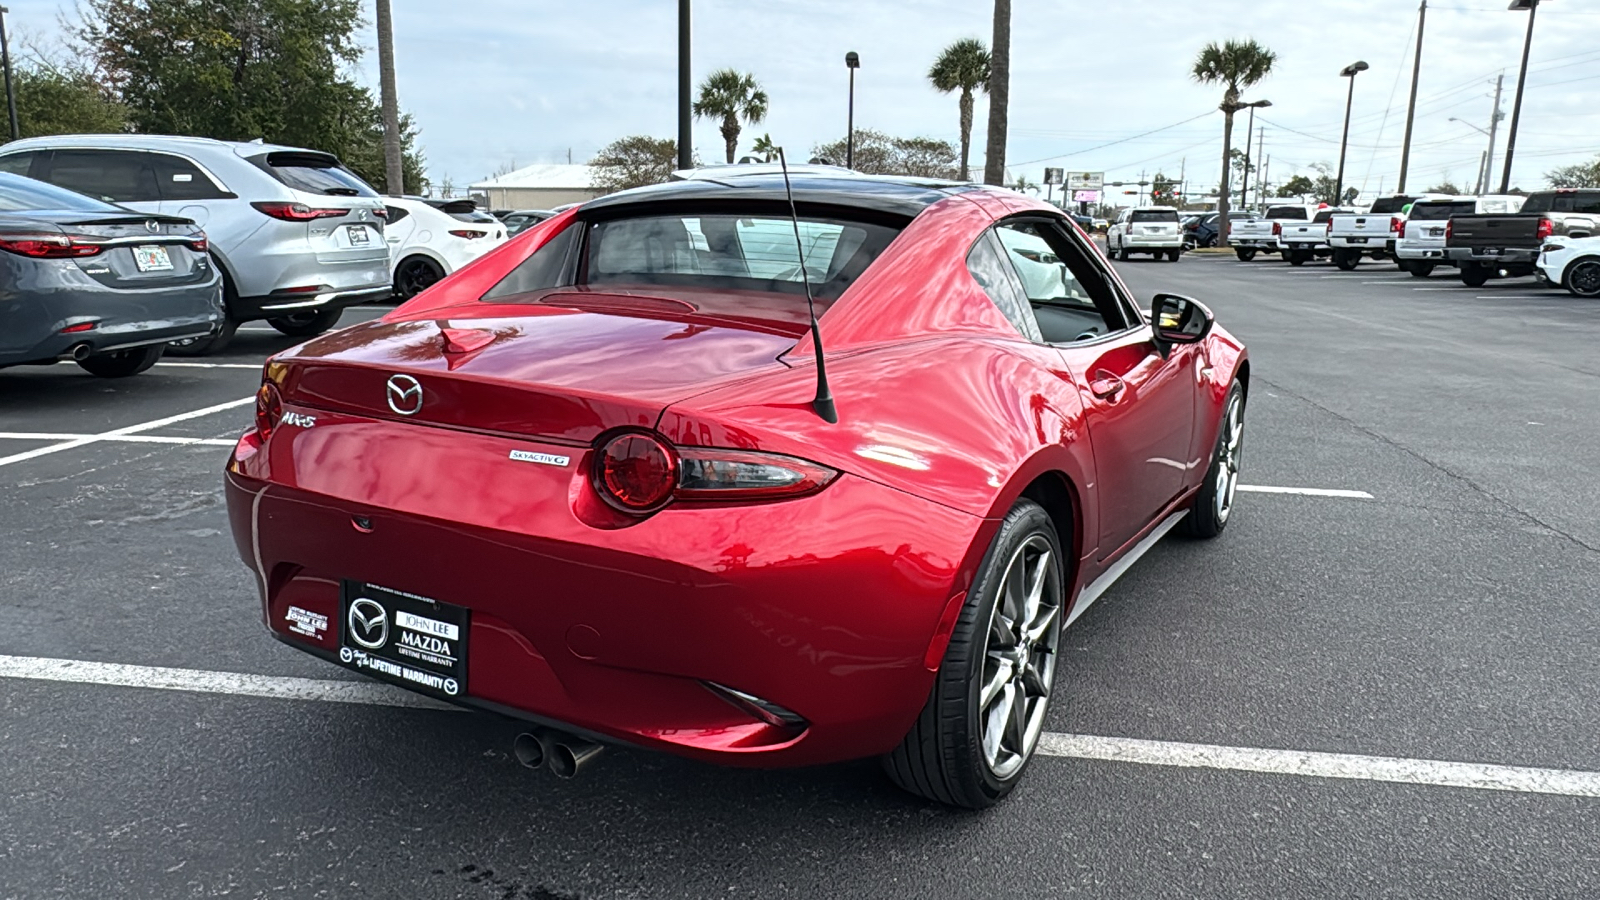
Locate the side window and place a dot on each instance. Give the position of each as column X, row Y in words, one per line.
column 986, row 262
column 181, row 179
column 16, row 163
column 1586, row 203
column 396, row 214
column 546, row 268
column 115, row 176
column 1070, row 297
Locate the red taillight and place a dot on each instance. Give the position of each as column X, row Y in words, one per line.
column 48, row 246
column 1277, row 228
column 381, row 212
column 1402, row 230
column 78, row 328
column 298, row 212
column 1397, row 224
column 636, row 472
column 1329, row 228
column 1546, row 229
column 469, row 235
column 269, row 409
column 199, row 244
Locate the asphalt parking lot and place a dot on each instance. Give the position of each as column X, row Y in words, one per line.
column 1379, row 682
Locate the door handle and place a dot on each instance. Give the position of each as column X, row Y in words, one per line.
column 1105, row 385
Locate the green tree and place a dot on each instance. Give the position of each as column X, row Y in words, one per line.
column 1449, row 187
column 1577, row 176
column 962, row 66
column 1298, row 186
column 52, row 100
column 994, row 158
column 634, row 161
column 877, row 153
column 765, row 148
column 1164, row 191
column 728, row 96
column 1237, row 66
column 277, row 70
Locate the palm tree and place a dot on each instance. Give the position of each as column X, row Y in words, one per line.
column 393, row 164
column 994, row 163
column 730, row 96
column 964, row 67
column 765, row 148
column 1237, row 65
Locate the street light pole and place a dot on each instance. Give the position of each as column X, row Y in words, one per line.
column 1532, row 6
column 1244, row 198
column 685, row 91
column 1350, row 72
column 852, row 61
column 11, row 94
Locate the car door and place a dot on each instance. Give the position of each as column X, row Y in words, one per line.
column 189, row 191
column 1138, row 404
column 126, row 177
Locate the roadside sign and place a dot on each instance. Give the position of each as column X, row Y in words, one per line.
column 1085, row 181
column 1086, row 196
column 1052, row 176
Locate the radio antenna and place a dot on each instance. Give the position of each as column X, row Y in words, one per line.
column 823, row 403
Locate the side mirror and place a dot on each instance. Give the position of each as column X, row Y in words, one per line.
column 1175, row 319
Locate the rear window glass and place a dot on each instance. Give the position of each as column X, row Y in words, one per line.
column 1292, row 213
column 1155, row 215
column 1390, row 204
column 734, row 252
column 1324, row 215
column 19, row 194
column 315, row 175
column 1432, row 212
column 1584, row 202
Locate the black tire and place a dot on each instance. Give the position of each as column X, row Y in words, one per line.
column 942, row 757
column 1172, row 255
column 306, row 324
column 1347, row 260
column 1245, row 254
column 1419, row 269
column 122, row 363
column 1210, row 241
column 205, row 346
column 1475, row 275
column 1583, row 277
column 1299, row 258
column 414, row 275
column 1207, row 517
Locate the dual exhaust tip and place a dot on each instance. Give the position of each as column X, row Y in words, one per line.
column 563, row 754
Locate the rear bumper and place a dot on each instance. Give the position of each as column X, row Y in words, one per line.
column 1164, row 242
column 1405, row 251
column 1511, row 255
column 824, row 605
column 117, row 319
column 245, row 309
column 1362, row 242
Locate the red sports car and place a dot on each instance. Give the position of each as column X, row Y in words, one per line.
column 592, row 481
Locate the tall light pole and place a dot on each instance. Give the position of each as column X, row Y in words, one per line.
column 11, row 93
column 1350, row 72
column 852, row 62
column 1244, row 200
column 685, row 91
column 1532, row 6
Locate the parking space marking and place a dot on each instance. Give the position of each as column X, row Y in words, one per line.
column 1301, row 763
column 124, row 438
column 1306, row 763
column 123, row 432
column 1308, row 492
column 179, row 365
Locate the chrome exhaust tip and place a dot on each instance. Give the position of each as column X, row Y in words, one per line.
column 81, row 352
column 570, row 755
column 529, row 750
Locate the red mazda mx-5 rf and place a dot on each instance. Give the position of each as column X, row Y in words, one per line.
column 589, row 482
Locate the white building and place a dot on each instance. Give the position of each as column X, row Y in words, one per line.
column 539, row 187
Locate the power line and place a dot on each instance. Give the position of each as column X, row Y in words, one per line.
column 1114, row 143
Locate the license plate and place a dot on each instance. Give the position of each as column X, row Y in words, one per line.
column 152, row 259
column 410, row 640
column 357, row 234
column 1356, row 240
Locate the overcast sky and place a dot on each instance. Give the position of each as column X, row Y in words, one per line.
column 497, row 82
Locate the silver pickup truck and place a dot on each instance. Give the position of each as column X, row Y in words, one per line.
column 1262, row 235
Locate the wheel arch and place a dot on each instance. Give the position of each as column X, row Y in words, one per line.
column 423, row 253
column 1566, row 270
column 1055, row 491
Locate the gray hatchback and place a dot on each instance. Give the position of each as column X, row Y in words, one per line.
column 96, row 283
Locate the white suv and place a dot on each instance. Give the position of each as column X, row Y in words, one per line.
column 1146, row 229
column 298, row 237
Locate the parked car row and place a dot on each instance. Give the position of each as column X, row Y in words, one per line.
column 1551, row 235
column 291, row 236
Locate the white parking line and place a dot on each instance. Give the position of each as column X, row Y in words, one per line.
column 124, row 438
column 1482, row 776
column 179, row 365
column 1308, row 492
column 121, row 432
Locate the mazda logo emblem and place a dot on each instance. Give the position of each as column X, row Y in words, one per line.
column 405, row 395
column 369, row 623
column 152, row 226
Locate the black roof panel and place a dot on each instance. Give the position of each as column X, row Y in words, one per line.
column 896, row 196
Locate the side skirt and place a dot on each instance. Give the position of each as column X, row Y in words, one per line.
column 1090, row 594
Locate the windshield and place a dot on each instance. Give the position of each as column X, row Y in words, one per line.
column 18, row 194
column 1295, row 213
column 752, row 253
column 1431, row 212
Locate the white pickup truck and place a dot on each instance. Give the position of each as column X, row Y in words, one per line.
column 1262, row 235
column 1304, row 241
column 1372, row 233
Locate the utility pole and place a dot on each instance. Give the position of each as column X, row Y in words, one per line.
column 1261, row 143
column 1483, row 173
column 1532, row 6
column 11, row 93
column 393, row 165
column 685, row 121
column 1494, row 125
column 1411, row 110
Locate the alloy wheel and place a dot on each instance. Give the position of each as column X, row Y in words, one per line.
column 1020, row 657
column 1584, row 280
column 1228, row 466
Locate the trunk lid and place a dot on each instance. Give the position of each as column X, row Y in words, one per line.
column 139, row 251
column 1495, row 231
column 565, row 368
